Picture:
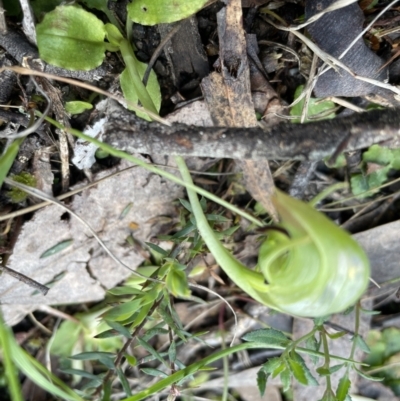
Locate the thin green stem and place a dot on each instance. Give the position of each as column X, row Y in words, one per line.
column 225, row 365
column 131, row 65
column 327, row 359
column 294, row 344
column 327, row 191
column 356, row 330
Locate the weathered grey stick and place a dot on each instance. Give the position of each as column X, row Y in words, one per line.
column 25, row 279
column 311, row 141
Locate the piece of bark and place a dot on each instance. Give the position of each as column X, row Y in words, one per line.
column 185, row 53
column 303, row 175
column 286, row 141
column 228, row 95
column 8, row 79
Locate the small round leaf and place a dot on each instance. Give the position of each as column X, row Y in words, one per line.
column 71, row 38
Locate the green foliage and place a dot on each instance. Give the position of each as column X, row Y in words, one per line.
column 57, row 248
column 377, row 163
column 77, row 107
column 8, row 157
column 152, row 12
column 71, row 38
column 316, row 107
column 343, row 388
column 267, row 336
column 144, row 306
column 10, row 371
column 132, row 85
column 385, row 356
column 176, row 281
column 79, row 335
column 15, row 358
column 17, row 195
column 313, row 241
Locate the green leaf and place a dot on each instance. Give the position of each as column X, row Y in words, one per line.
column 8, row 369
column 285, row 379
column 323, row 371
column 124, row 290
column 379, row 155
column 383, row 156
column 311, row 381
column 71, row 38
column 107, row 334
column 141, row 315
column 336, row 368
column 8, row 157
column 218, row 218
column 361, row 183
column 157, row 249
column 57, row 248
column 343, row 388
column 81, row 373
column 267, row 336
column 186, row 205
column 119, row 327
column 326, row 372
column 184, row 232
column 107, row 391
column 113, row 35
column 154, row 372
column 261, row 381
column 339, row 334
column 132, row 86
column 90, row 356
column 172, row 352
column 65, row 338
column 152, row 12
column 168, row 319
column 124, row 382
column 151, row 350
column 361, row 344
column 313, row 344
column 298, row 372
column 370, row 312
column 369, row 377
column 154, row 332
column 176, row 282
column 77, row 107
column 272, row 365
column 123, row 311
column 131, row 359
column 315, row 107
